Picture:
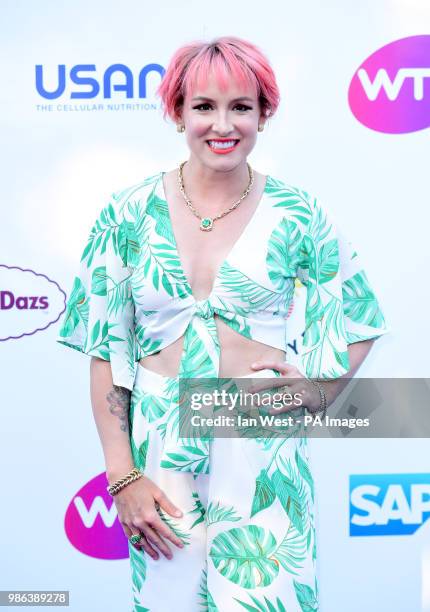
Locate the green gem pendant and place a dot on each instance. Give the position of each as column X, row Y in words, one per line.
column 206, row 224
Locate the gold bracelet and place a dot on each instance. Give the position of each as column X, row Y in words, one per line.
column 119, row 484
column 323, row 399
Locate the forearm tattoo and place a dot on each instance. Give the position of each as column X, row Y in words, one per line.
column 119, row 405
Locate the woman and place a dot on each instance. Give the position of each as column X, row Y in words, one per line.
column 189, row 275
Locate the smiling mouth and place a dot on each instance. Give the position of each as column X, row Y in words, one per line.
column 224, row 145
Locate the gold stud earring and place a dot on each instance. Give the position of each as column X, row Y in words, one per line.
column 260, row 128
column 180, row 127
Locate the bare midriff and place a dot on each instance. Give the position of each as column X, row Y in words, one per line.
column 236, row 355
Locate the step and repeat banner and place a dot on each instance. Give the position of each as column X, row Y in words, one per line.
column 80, row 120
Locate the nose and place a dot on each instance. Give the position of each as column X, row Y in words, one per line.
column 222, row 124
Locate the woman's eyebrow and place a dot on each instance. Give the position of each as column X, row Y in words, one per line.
column 210, row 99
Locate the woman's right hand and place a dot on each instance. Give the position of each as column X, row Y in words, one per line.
column 137, row 513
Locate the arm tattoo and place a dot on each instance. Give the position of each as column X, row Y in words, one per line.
column 119, row 404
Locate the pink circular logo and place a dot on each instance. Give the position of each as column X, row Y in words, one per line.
column 390, row 92
column 91, row 522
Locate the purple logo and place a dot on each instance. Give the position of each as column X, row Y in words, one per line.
column 91, row 522
column 390, row 92
column 29, row 302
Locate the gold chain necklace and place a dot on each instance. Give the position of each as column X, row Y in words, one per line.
column 206, row 223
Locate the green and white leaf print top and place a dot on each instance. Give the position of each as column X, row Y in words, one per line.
column 131, row 297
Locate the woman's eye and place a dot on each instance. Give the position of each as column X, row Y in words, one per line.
column 207, row 106
column 199, row 106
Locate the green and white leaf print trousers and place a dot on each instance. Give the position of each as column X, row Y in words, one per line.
column 247, row 526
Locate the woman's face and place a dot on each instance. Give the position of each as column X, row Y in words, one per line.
column 221, row 127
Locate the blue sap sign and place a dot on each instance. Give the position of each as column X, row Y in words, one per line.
column 388, row 504
column 79, row 75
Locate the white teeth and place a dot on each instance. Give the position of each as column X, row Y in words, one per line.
column 222, row 145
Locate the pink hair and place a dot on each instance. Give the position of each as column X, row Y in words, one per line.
column 228, row 56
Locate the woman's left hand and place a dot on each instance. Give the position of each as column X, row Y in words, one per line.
column 291, row 377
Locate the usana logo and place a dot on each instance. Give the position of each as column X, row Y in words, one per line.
column 83, row 81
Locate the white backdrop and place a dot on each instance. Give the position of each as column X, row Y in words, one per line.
column 59, row 168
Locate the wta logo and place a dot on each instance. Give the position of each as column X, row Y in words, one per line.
column 390, row 92
column 388, row 504
column 91, row 522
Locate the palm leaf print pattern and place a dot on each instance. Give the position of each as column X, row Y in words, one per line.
column 160, row 261
column 198, row 509
column 217, row 513
column 99, row 318
column 259, row 606
column 341, row 307
column 206, row 603
column 77, row 309
column 131, row 299
column 244, row 555
column 251, row 556
column 281, row 261
column 138, row 575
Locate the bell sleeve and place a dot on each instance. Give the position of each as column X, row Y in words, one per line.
column 341, row 306
column 99, row 319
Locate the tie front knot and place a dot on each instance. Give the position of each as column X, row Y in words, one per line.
column 204, row 309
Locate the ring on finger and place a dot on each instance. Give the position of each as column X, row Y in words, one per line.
column 284, row 389
column 135, row 538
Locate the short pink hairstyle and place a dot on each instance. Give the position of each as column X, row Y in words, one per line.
column 228, row 56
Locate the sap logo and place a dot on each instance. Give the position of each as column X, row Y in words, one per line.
column 390, row 91
column 91, row 522
column 77, row 77
column 388, row 504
